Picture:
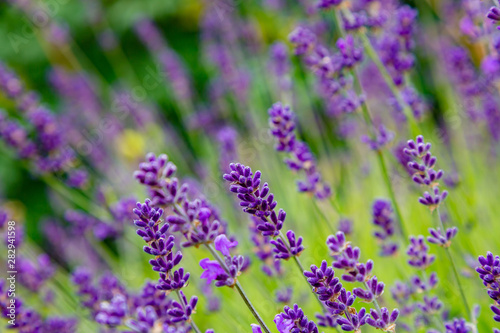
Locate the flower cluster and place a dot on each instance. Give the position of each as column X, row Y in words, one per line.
column 41, row 141
column 438, row 238
column 494, row 14
column 382, row 218
column 294, row 320
column 423, row 171
column 170, row 62
column 197, row 220
column 489, row 272
column 339, row 301
column 418, row 253
column 258, row 201
column 330, row 68
column 111, row 305
column 26, row 319
column 160, row 245
column 224, row 273
column 282, row 123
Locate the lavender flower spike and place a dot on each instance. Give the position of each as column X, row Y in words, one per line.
column 282, row 123
column 294, row 320
column 442, row 240
column 489, row 272
column 254, row 199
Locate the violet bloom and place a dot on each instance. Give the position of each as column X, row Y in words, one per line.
column 197, row 220
column 331, row 69
column 254, row 199
column 418, row 253
column 424, row 173
column 382, row 218
column 327, row 4
column 258, row 201
column 171, row 64
column 430, row 305
column 438, row 238
column 345, row 226
column 402, row 293
column 34, row 275
column 489, row 272
column 385, row 321
column 160, row 245
column 382, row 139
column 294, row 320
column 282, row 123
column 226, row 274
column 283, row 295
column 280, row 65
column 347, row 258
column 354, row 321
column 494, row 15
column 227, row 139
column 458, row 325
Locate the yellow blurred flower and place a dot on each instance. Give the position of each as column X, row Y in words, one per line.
column 130, row 144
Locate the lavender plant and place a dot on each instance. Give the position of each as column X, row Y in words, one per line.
column 87, row 88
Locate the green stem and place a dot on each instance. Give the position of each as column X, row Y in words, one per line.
column 240, row 290
column 387, row 180
column 453, row 266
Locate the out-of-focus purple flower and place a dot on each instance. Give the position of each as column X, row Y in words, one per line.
column 282, row 123
column 113, row 312
column 382, row 217
column 382, row 138
column 351, row 54
column 33, row 276
column 227, row 139
column 150, row 35
column 77, row 178
column 345, row 226
column 303, row 39
column 279, row 64
column 418, row 253
column 442, row 240
column 283, row 295
column 430, row 305
column 402, row 293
